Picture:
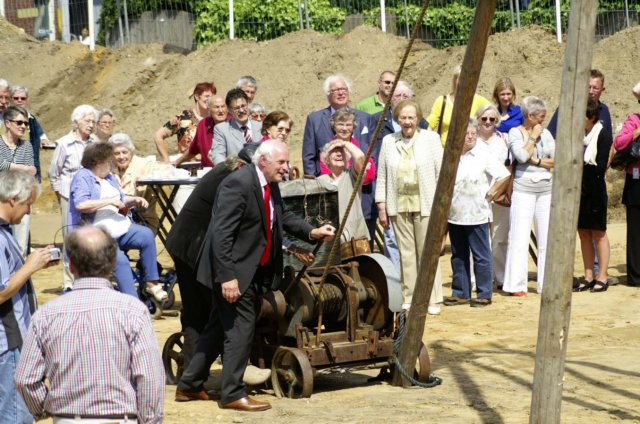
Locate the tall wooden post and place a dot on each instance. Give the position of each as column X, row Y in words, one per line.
column 555, row 309
column 471, row 66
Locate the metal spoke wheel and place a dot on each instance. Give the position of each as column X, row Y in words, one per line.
column 423, row 365
column 291, row 373
column 172, row 357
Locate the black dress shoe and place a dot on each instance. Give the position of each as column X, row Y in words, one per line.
column 247, row 404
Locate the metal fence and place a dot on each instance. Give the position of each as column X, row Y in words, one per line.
column 186, row 24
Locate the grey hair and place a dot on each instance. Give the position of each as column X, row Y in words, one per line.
column 326, row 151
column 13, row 111
column 472, row 122
column 406, row 85
column 4, row 83
column 19, row 89
column 484, row 108
column 247, row 80
column 81, row 111
column 266, row 149
column 343, row 115
column 122, row 139
column 257, row 108
column 326, row 85
column 212, row 98
column 104, row 112
column 18, row 185
column 532, row 105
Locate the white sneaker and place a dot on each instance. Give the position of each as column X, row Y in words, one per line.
column 254, row 376
column 433, row 309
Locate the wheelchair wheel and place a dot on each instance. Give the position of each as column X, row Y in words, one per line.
column 172, row 358
column 167, row 304
column 155, row 307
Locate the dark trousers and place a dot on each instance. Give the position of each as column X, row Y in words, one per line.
column 230, row 332
column 197, row 301
column 465, row 240
column 633, row 244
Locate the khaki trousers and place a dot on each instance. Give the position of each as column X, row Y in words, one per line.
column 67, row 277
column 411, row 231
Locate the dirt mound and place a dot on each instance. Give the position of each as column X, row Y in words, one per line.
column 145, row 85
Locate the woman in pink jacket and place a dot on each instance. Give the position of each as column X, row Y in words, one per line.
column 631, row 194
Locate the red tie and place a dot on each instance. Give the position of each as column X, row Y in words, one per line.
column 267, row 211
column 247, row 134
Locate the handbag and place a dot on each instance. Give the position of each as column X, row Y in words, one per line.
column 504, row 198
column 630, row 154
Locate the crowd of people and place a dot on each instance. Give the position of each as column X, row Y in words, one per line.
column 224, row 264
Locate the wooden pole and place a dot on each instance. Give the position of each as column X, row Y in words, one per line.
column 471, row 66
column 555, row 309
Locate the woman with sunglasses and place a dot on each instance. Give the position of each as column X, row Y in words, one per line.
column 276, row 126
column 533, row 150
column 16, row 153
column 504, row 94
column 488, row 119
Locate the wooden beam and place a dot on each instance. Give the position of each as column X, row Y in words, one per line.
column 467, row 83
column 555, row 309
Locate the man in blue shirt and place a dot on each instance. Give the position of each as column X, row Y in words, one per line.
column 18, row 191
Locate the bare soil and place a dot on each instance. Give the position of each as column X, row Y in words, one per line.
column 485, row 356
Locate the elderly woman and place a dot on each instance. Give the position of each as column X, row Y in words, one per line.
column 185, row 123
column 504, row 94
column 440, row 117
column 276, row 126
column 488, row 118
column 257, row 111
column 631, row 193
column 592, row 219
column 408, row 169
column 66, row 162
column 129, row 168
column 16, row 153
column 533, row 150
column 336, row 155
column 469, row 219
column 104, row 127
column 36, row 135
column 96, row 198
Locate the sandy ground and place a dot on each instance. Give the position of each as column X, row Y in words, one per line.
column 485, row 357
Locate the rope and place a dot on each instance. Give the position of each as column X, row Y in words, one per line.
column 358, row 183
column 432, row 380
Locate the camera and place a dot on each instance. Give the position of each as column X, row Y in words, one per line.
column 55, row 254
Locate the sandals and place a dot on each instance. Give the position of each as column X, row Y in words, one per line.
column 157, row 293
column 584, row 286
column 599, row 286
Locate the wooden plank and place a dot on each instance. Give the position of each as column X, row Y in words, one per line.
column 471, row 66
column 555, row 309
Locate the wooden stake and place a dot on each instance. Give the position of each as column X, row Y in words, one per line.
column 555, row 309
column 471, row 66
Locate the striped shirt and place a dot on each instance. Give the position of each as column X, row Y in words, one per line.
column 66, row 162
column 98, row 351
column 21, row 155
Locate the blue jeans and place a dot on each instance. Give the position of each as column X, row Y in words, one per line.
column 140, row 238
column 474, row 239
column 12, row 407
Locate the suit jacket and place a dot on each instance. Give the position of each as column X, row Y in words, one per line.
column 236, row 236
column 317, row 133
column 188, row 231
column 228, row 139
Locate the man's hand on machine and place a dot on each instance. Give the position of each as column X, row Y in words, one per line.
column 324, row 233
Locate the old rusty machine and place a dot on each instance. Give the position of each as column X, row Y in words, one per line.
column 347, row 321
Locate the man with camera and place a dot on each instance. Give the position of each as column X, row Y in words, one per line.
column 18, row 191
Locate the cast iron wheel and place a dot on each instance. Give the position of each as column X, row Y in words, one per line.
column 423, row 365
column 291, row 373
column 172, row 358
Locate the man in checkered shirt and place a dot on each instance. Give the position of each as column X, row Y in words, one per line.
column 94, row 345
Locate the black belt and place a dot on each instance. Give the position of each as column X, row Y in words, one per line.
column 97, row 417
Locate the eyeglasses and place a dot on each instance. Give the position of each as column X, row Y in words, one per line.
column 259, row 115
column 237, row 108
column 283, row 130
column 402, row 96
column 19, row 98
column 490, row 119
column 387, row 82
column 339, row 90
column 19, row 123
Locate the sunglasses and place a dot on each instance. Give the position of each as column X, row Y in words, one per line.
column 490, row 119
column 388, row 82
column 19, row 98
column 19, row 123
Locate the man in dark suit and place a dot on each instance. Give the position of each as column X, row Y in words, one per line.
column 317, row 133
column 183, row 244
column 229, row 137
column 241, row 257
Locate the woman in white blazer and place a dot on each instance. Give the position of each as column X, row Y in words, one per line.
column 408, row 169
